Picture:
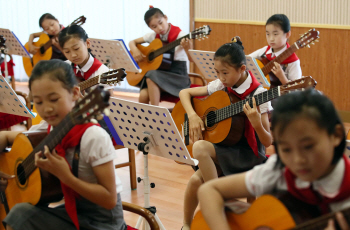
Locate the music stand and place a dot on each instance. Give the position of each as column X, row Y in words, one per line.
column 9, row 101
column 205, row 62
column 13, row 46
column 114, row 53
column 149, row 129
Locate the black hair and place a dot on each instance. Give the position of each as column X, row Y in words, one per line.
column 280, row 20
column 46, row 16
column 56, row 70
column 232, row 53
column 152, row 12
column 310, row 104
column 72, row 31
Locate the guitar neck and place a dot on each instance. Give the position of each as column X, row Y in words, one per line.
column 283, row 56
column 88, row 83
column 322, row 221
column 55, row 136
column 46, row 46
column 169, row 46
column 236, row 108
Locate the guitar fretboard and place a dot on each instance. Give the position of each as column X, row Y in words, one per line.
column 283, row 56
column 169, row 46
column 236, row 108
column 88, row 83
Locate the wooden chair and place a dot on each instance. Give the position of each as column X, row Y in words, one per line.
column 142, row 212
column 132, row 166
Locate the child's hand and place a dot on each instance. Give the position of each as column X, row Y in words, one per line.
column 53, row 163
column 55, row 42
column 278, row 71
column 186, row 43
column 253, row 114
column 196, row 127
column 341, row 222
column 3, row 180
column 33, row 49
column 138, row 56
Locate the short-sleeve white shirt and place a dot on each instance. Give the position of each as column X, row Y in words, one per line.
column 96, row 148
column 266, row 177
column 180, row 54
column 293, row 70
column 217, row 85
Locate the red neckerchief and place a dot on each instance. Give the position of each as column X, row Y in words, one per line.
column 309, row 196
column 95, row 66
column 249, row 132
column 290, row 59
column 71, row 140
column 173, row 33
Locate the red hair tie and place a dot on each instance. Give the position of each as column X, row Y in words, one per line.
column 150, row 6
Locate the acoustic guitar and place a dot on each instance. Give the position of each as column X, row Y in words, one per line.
column 266, row 66
column 223, row 115
column 277, row 213
column 32, row 184
column 45, row 51
column 154, row 54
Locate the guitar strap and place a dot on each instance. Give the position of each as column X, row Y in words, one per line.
column 290, row 59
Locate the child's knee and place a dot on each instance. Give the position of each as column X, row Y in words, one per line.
column 201, row 149
column 195, row 181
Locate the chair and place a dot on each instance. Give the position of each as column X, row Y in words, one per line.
column 142, row 212
column 131, row 164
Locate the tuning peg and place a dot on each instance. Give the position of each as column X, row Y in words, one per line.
column 308, row 46
column 94, row 121
column 312, row 43
column 99, row 116
column 106, row 112
column 317, row 40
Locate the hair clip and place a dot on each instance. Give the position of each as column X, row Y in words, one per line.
column 150, row 6
column 234, row 40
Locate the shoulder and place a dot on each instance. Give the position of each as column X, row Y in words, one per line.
column 103, row 68
column 264, row 178
column 97, row 146
column 149, row 37
column 214, row 86
column 181, row 34
column 258, row 53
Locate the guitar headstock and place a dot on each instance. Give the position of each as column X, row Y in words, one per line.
column 2, row 41
column 299, row 84
column 308, row 38
column 201, row 32
column 112, row 77
column 79, row 21
column 91, row 106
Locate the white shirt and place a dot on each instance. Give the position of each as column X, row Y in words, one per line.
column 180, row 54
column 96, row 148
column 217, row 85
column 293, row 70
column 265, row 178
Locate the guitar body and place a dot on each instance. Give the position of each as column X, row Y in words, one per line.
column 271, row 77
column 27, row 62
column 146, row 65
column 40, row 187
column 267, row 212
column 226, row 132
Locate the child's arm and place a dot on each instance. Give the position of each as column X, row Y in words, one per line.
column 32, row 48
column 7, row 138
column 278, row 71
column 196, row 123
column 136, row 53
column 187, row 44
column 103, row 193
column 260, row 123
column 257, row 54
column 219, row 191
column 340, row 220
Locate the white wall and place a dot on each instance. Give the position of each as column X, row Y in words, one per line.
column 106, row 19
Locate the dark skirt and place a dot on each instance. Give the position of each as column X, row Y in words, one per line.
column 238, row 158
column 91, row 217
column 171, row 81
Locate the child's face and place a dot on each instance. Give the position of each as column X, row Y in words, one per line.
column 306, row 149
column 228, row 75
column 275, row 37
column 50, row 26
column 76, row 50
column 52, row 101
column 159, row 24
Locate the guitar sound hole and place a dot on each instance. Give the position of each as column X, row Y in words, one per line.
column 151, row 56
column 21, row 175
column 211, row 117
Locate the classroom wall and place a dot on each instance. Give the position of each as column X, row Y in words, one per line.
column 327, row 61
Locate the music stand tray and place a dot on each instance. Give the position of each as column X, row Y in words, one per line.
column 114, row 54
column 9, row 101
column 205, row 62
